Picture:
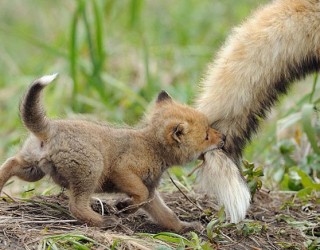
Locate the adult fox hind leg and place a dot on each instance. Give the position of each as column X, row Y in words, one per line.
column 278, row 44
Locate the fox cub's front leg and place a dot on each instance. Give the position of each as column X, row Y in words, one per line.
column 132, row 185
column 165, row 217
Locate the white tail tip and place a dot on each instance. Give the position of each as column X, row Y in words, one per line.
column 221, row 178
column 45, row 80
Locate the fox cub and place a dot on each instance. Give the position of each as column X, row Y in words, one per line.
column 87, row 157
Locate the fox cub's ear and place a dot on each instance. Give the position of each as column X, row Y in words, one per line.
column 179, row 131
column 163, row 96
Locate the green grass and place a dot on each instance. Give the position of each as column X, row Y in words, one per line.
column 144, row 46
column 113, row 56
column 69, row 241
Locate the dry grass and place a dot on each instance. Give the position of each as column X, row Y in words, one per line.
column 276, row 221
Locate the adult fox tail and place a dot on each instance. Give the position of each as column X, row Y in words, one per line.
column 31, row 109
column 277, row 45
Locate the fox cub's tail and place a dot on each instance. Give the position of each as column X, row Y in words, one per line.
column 31, row 110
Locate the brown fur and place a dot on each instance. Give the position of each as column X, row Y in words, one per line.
column 88, row 157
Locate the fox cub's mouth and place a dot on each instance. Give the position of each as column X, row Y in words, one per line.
column 212, row 148
column 217, row 146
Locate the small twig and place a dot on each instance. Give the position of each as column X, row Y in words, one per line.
column 263, row 190
column 283, row 192
column 134, row 206
column 184, row 194
column 254, row 240
column 313, row 228
column 35, row 240
column 47, row 221
column 227, row 237
column 234, row 242
column 101, row 204
column 5, row 235
column 47, row 204
column 269, row 241
column 195, row 169
column 255, row 248
column 10, row 197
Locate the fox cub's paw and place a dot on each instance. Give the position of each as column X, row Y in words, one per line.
column 110, row 222
column 191, row 226
column 126, row 206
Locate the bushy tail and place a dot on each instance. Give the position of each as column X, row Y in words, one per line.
column 31, row 110
column 277, row 45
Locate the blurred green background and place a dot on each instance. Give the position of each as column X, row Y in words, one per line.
column 114, row 56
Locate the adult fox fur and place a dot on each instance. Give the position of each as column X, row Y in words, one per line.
column 278, row 44
column 88, row 157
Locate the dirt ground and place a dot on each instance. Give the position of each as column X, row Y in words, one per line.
column 276, row 220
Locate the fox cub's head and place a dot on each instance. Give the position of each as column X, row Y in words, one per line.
column 182, row 129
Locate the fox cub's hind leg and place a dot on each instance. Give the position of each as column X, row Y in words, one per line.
column 80, row 208
column 79, row 205
column 83, row 171
column 15, row 166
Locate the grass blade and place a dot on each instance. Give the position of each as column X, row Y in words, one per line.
column 306, row 115
column 99, row 32
column 313, row 90
column 39, row 43
column 73, row 56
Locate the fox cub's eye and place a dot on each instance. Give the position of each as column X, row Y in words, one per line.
column 207, row 136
